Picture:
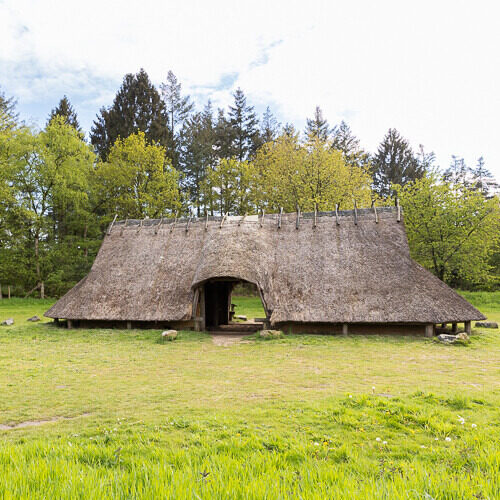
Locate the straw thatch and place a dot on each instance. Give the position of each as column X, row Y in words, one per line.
column 349, row 269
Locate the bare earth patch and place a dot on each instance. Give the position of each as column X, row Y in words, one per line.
column 36, row 423
column 227, row 339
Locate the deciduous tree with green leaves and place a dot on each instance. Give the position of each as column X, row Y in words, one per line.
column 451, row 231
column 137, row 180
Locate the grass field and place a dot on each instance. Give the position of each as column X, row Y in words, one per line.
column 116, row 414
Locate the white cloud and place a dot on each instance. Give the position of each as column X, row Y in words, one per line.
column 429, row 68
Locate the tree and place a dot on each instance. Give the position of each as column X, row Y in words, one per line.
column 178, row 108
column 49, row 174
column 458, row 173
column 269, row 127
column 345, row 141
column 451, row 231
column 317, row 127
column 290, row 174
column 137, row 180
column 228, row 184
column 198, row 156
column 479, row 174
column 8, row 115
column 244, row 127
column 66, row 110
column 136, row 107
column 394, row 163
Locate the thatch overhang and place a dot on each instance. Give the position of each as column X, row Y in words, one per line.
column 350, row 267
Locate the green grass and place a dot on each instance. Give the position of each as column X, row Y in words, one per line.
column 290, row 418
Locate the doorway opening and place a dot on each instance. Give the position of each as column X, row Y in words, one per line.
column 230, row 304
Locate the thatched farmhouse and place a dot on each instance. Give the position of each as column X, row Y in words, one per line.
column 327, row 272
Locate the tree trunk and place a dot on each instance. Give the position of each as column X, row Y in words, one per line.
column 42, row 290
column 85, row 250
column 1, row 297
column 8, row 291
column 37, row 260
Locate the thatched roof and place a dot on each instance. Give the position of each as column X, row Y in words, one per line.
column 355, row 270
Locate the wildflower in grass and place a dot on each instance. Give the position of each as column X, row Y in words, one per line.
column 423, row 446
column 373, row 389
column 316, row 443
column 447, row 438
column 384, row 442
column 350, row 395
column 378, row 439
column 473, row 426
column 436, row 439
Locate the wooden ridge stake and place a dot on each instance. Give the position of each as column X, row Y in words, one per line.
column 111, row 225
column 355, row 214
column 399, row 210
column 223, row 220
column 262, row 218
column 188, row 222
column 241, row 220
column 172, row 227
column 206, row 222
column 279, row 217
column 158, row 226
column 375, row 212
column 337, row 214
column 297, row 221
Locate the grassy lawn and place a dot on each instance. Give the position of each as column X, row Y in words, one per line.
column 120, row 415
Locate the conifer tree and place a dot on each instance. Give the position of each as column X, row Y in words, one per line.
column 244, row 125
column 8, row 115
column 137, row 107
column 394, row 163
column 270, row 127
column 317, row 127
column 66, row 110
column 345, row 141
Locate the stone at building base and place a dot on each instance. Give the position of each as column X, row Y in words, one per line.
column 33, row 319
column 8, row 322
column 452, row 339
column 270, row 334
column 169, row 334
column 486, row 324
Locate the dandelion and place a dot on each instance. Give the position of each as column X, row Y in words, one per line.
column 447, row 438
column 378, row 439
column 473, row 426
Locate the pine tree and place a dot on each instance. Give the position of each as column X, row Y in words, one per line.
column 270, row 127
column 66, row 110
column 178, row 108
column 479, row 174
column 198, row 155
column 345, row 141
column 8, row 115
column 317, row 127
column 244, row 125
column 137, row 107
column 458, row 173
column 224, row 136
column 394, row 163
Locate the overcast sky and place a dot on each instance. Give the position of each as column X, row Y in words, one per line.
column 431, row 69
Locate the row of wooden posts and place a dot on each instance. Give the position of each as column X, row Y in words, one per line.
column 8, row 292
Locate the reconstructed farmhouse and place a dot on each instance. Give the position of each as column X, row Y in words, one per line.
column 327, row 272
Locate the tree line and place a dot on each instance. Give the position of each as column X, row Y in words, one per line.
column 152, row 154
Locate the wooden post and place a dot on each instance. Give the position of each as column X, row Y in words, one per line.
column 345, row 329
column 1, row 296
column 70, row 324
column 467, row 326
column 429, row 330
column 129, row 325
column 56, row 321
column 337, row 214
column 8, row 291
column 279, row 217
column 454, row 328
column 398, row 218
column 355, row 214
column 111, row 225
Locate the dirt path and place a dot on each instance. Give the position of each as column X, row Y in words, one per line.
column 35, row 423
column 227, row 339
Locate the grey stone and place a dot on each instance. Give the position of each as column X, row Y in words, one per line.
column 447, row 339
column 452, row 339
column 241, row 316
column 8, row 322
column 486, row 324
column 169, row 334
column 270, row 334
column 34, row 318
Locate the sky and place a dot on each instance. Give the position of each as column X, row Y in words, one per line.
column 431, row 69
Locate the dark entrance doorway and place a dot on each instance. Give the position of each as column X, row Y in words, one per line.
column 217, row 302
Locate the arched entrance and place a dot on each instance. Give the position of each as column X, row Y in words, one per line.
column 215, row 310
